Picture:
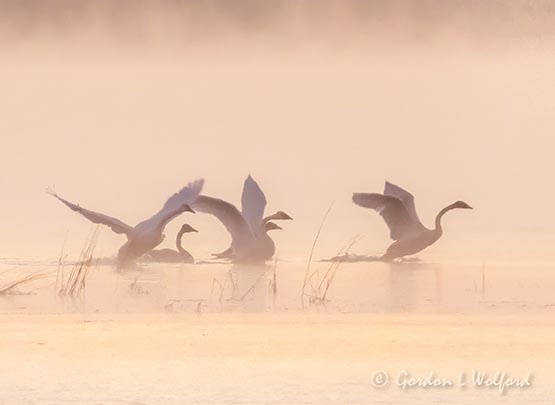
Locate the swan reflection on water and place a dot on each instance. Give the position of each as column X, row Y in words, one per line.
column 248, row 287
column 375, row 287
column 413, row 286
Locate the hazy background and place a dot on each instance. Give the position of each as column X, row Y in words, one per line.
column 118, row 106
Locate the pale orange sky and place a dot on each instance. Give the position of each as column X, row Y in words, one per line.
column 119, row 128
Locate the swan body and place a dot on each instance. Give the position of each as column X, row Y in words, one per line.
column 397, row 208
column 229, row 254
column 174, row 256
column 248, row 228
column 148, row 234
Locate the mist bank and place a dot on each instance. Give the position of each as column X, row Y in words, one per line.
column 117, row 123
column 337, row 22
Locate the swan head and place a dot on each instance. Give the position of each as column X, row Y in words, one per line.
column 187, row 208
column 281, row 215
column 270, row 226
column 461, row 204
column 186, row 228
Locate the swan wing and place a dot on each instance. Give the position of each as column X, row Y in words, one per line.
column 406, row 198
column 392, row 210
column 186, row 195
column 229, row 216
column 173, row 206
column 115, row 224
column 253, row 203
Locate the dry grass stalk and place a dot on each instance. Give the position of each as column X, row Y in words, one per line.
column 330, row 275
column 180, row 305
column 61, row 260
column 198, row 310
column 74, row 285
column 319, row 293
column 136, row 289
column 252, row 287
column 272, row 284
column 307, row 272
column 215, row 281
column 9, row 287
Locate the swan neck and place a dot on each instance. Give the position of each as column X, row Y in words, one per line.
column 266, row 219
column 178, row 240
column 270, row 218
column 438, row 228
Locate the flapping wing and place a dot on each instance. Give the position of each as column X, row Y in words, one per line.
column 391, row 209
column 187, row 195
column 228, row 215
column 115, row 224
column 253, row 204
column 173, row 206
column 406, row 198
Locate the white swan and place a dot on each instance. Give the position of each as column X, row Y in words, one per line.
column 147, row 234
column 396, row 206
column 173, row 256
column 248, row 229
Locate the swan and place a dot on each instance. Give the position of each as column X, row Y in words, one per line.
column 173, row 256
column 248, row 227
column 268, row 226
column 148, row 234
column 396, row 206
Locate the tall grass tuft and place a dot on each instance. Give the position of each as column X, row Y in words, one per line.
column 222, row 287
column 320, row 287
column 74, row 284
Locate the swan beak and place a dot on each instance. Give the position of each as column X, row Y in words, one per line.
column 188, row 209
column 193, row 229
column 285, row 216
column 462, row 204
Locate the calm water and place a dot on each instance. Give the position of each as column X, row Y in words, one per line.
column 351, row 288
column 222, row 334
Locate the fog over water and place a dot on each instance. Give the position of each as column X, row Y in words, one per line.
column 118, row 107
column 118, row 104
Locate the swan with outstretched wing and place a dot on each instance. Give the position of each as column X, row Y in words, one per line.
column 253, row 204
column 396, row 206
column 248, row 228
column 147, row 234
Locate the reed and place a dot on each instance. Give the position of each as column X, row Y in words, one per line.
column 215, row 282
column 272, row 283
column 320, row 292
column 222, row 287
column 8, row 288
column 251, row 288
column 307, row 272
column 136, row 289
column 74, row 285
